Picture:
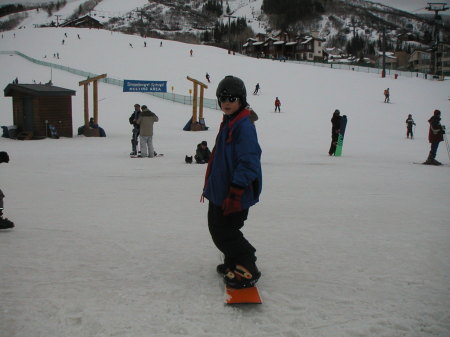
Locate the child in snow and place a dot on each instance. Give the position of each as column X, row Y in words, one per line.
column 202, row 154
column 277, row 105
column 409, row 126
column 386, row 95
column 233, row 184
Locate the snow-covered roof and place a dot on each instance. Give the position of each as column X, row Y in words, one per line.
column 278, row 42
column 291, row 43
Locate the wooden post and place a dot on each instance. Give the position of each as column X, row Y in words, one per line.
column 195, row 102
column 200, row 108
column 95, row 89
column 85, row 83
column 86, row 105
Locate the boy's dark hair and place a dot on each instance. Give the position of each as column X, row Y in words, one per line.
column 4, row 158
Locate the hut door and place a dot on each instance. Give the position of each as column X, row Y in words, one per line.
column 27, row 114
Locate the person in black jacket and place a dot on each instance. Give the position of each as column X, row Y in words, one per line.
column 202, row 154
column 4, row 223
column 335, row 128
column 435, row 136
column 409, row 126
column 135, row 135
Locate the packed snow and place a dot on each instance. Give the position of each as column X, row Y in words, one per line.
column 105, row 245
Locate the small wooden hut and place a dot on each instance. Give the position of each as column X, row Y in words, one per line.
column 36, row 106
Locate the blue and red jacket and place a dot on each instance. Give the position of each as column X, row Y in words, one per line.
column 235, row 161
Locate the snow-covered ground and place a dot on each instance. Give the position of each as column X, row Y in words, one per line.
column 105, row 245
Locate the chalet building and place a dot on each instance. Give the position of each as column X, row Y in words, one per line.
column 309, row 48
column 83, row 22
column 391, row 60
column 37, row 106
column 442, row 60
column 283, row 46
column 420, row 61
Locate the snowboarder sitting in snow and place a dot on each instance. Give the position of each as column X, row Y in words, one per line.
column 435, row 136
column 202, row 154
column 4, row 222
column 386, row 95
column 277, row 105
column 335, row 128
column 233, row 184
column 409, row 126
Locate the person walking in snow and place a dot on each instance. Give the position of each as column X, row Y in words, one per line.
column 335, row 128
column 386, row 95
column 277, row 105
column 233, row 184
column 4, row 222
column 145, row 122
column 208, row 78
column 409, row 126
column 435, row 136
column 135, row 133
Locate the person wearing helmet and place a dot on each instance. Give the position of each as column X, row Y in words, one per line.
column 233, row 183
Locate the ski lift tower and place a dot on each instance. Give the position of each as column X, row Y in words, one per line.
column 436, row 7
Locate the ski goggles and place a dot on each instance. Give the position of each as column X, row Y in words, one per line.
column 231, row 99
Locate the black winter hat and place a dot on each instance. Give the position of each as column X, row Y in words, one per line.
column 232, row 86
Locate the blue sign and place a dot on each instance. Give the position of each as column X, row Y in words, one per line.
column 144, row 86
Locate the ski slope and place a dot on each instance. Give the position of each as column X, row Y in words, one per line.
column 105, row 245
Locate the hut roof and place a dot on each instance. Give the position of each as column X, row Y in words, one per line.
column 37, row 90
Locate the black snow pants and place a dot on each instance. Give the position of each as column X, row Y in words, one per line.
column 228, row 238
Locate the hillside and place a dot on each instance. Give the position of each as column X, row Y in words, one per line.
column 187, row 21
column 105, row 245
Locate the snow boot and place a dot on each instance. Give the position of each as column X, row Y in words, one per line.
column 5, row 223
column 240, row 277
column 222, row 269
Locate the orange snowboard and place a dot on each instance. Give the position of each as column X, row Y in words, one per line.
column 241, row 296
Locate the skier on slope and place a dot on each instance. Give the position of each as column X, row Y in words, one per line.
column 409, row 126
column 277, row 104
column 386, row 95
column 233, row 184
column 435, row 136
column 335, row 128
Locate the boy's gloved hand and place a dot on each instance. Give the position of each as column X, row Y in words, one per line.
column 232, row 202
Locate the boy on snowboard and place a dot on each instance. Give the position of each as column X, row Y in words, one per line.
column 233, row 184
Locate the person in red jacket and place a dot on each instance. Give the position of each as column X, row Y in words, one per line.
column 435, row 136
column 277, row 105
